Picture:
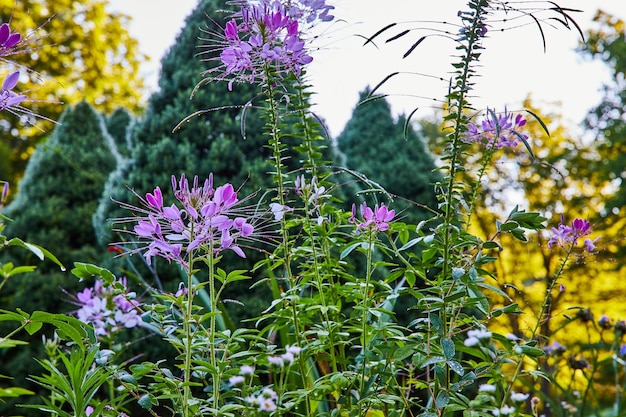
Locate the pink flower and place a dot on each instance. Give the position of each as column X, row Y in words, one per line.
column 378, row 218
column 497, row 131
column 8, row 98
column 267, row 34
column 565, row 235
column 203, row 219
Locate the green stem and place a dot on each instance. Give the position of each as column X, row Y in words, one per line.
column 275, row 144
column 366, row 304
column 187, row 334
column 212, row 329
column 544, row 307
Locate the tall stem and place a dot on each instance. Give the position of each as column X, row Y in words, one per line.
column 540, row 319
column 366, row 304
column 276, row 146
column 188, row 337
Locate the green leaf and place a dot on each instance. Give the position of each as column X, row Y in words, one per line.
column 37, row 250
column 508, row 226
column 349, row 250
column 85, row 271
column 530, row 351
column 442, row 400
column 456, row 367
column 14, row 392
column 33, row 327
column 447, row 345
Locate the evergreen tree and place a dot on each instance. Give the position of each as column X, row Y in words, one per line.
column 209, row 143
column 376, row 146
column 59, row 194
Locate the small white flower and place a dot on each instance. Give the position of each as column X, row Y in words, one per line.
column 287, row 358
column 279, row 211
column 481, row 334
column 486, row 388
column 518, row 397
column 269, row 393
column 246, row 370
column 506, row 410
column 267, row 404
column 276, row 361
column 293, row 349
column 236, row 380
column 471, row 341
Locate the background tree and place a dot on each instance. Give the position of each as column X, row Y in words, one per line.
column 376, row 146
column 608, row 123
column 78, row 50
column 60, row 191
column 209, row 143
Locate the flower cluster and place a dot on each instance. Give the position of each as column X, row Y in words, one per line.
column 206, row 219
column 265, row 401
column 378, row 219
column 106, row 311
column 286, row 358
column 311, row 194
column 266, row 34
column 569, row 234
column 495, row 131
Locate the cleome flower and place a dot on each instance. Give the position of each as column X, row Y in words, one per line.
column 563, row 234
column 497, row 131
column 378, row 219
column 8, row 40
column 204, row 220
column 266, row 35
column 8, row 98
column 105, row 310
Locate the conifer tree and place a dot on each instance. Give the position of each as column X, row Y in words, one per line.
column 210, row 143
column 376, row 146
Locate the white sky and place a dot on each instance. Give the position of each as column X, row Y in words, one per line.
column 514, row 64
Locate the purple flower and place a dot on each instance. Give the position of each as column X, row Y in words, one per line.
column 495, row 131
column 554, row 348
column 105, row 311
column 8, row 98
column 563, row 234
column 378, row 218
column 203, row 219
column 622, row 350
column 7, row 39
column 267, row 35
column 604, row 322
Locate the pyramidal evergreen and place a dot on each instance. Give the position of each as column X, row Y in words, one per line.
column 210, row 143
column 377, row 146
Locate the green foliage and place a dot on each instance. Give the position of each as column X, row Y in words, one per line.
column 77, row 50
column 60, row 191
column 607, row 44
column 376, row 146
